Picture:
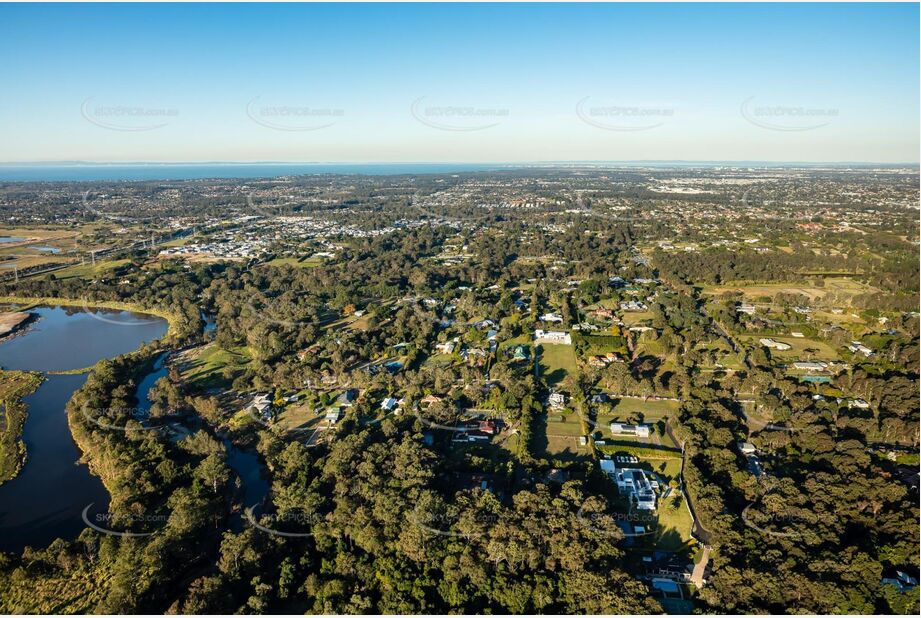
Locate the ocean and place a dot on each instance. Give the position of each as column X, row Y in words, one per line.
column 198, row 171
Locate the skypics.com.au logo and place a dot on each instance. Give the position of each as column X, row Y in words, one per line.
column 127, row 118
column 787, row 118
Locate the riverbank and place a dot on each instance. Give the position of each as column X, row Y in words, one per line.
column 46, row 499
column 14, row 386
column 11, row 321
column 27, row 302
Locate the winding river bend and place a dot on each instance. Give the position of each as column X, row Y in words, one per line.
column 46, row 500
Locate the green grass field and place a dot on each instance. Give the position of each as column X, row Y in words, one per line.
column 652, row 409
column 556, row 362
column 634, row 318
column 88, row 270
column 798, row 351
column 841, row 286
column 674, row 532
column 647, row 347
column 204, row 368
column 298, row 416
column 308, row 262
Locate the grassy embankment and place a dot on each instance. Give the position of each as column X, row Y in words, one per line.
column 14, row 385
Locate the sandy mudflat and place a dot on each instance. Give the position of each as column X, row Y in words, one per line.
column 9, row 321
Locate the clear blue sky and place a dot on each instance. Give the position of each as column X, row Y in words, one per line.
column 388, row 83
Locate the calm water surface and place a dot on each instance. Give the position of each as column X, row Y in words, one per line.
column 47, row 498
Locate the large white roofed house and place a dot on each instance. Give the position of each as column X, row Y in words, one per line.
column 621, row 429
column 552, row 337
column 633, row 483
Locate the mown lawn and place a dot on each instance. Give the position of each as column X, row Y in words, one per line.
column 556, row 362
column 799, row 350
column 674, row 531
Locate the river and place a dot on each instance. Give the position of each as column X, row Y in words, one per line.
column 46, row 500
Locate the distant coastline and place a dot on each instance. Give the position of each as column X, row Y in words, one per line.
column 76, row 171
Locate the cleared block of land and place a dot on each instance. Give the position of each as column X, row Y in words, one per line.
column 800, row 348
column 88, row 270
column 556, row 362
column 839, row 286
column 309, row 262
column 204, row 367
column 652, row 409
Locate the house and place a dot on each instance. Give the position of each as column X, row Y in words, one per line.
column 777, row 345
column 602, row 313
column 447, row 347
column 261, row 406
column 604, row 360
column 640, row 329
column 797, row 334
column 810, row 365
column 667, row 565
column 633, row 305
column 347, row 398
column 333, row 415
column 557, row 400
column 746, row 309
column 430, row 399
column 634, row 483
column 747, row 448
column 552, row 337
column 487, row 427
column 640, row 431
column 475, row 480
column 857, row 347
column 551, row 317
column 521, row 353
column 307, row 352
column 555, row 475
column 389, row 404
column 903, row 581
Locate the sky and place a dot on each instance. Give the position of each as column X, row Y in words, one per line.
column 459, row 83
